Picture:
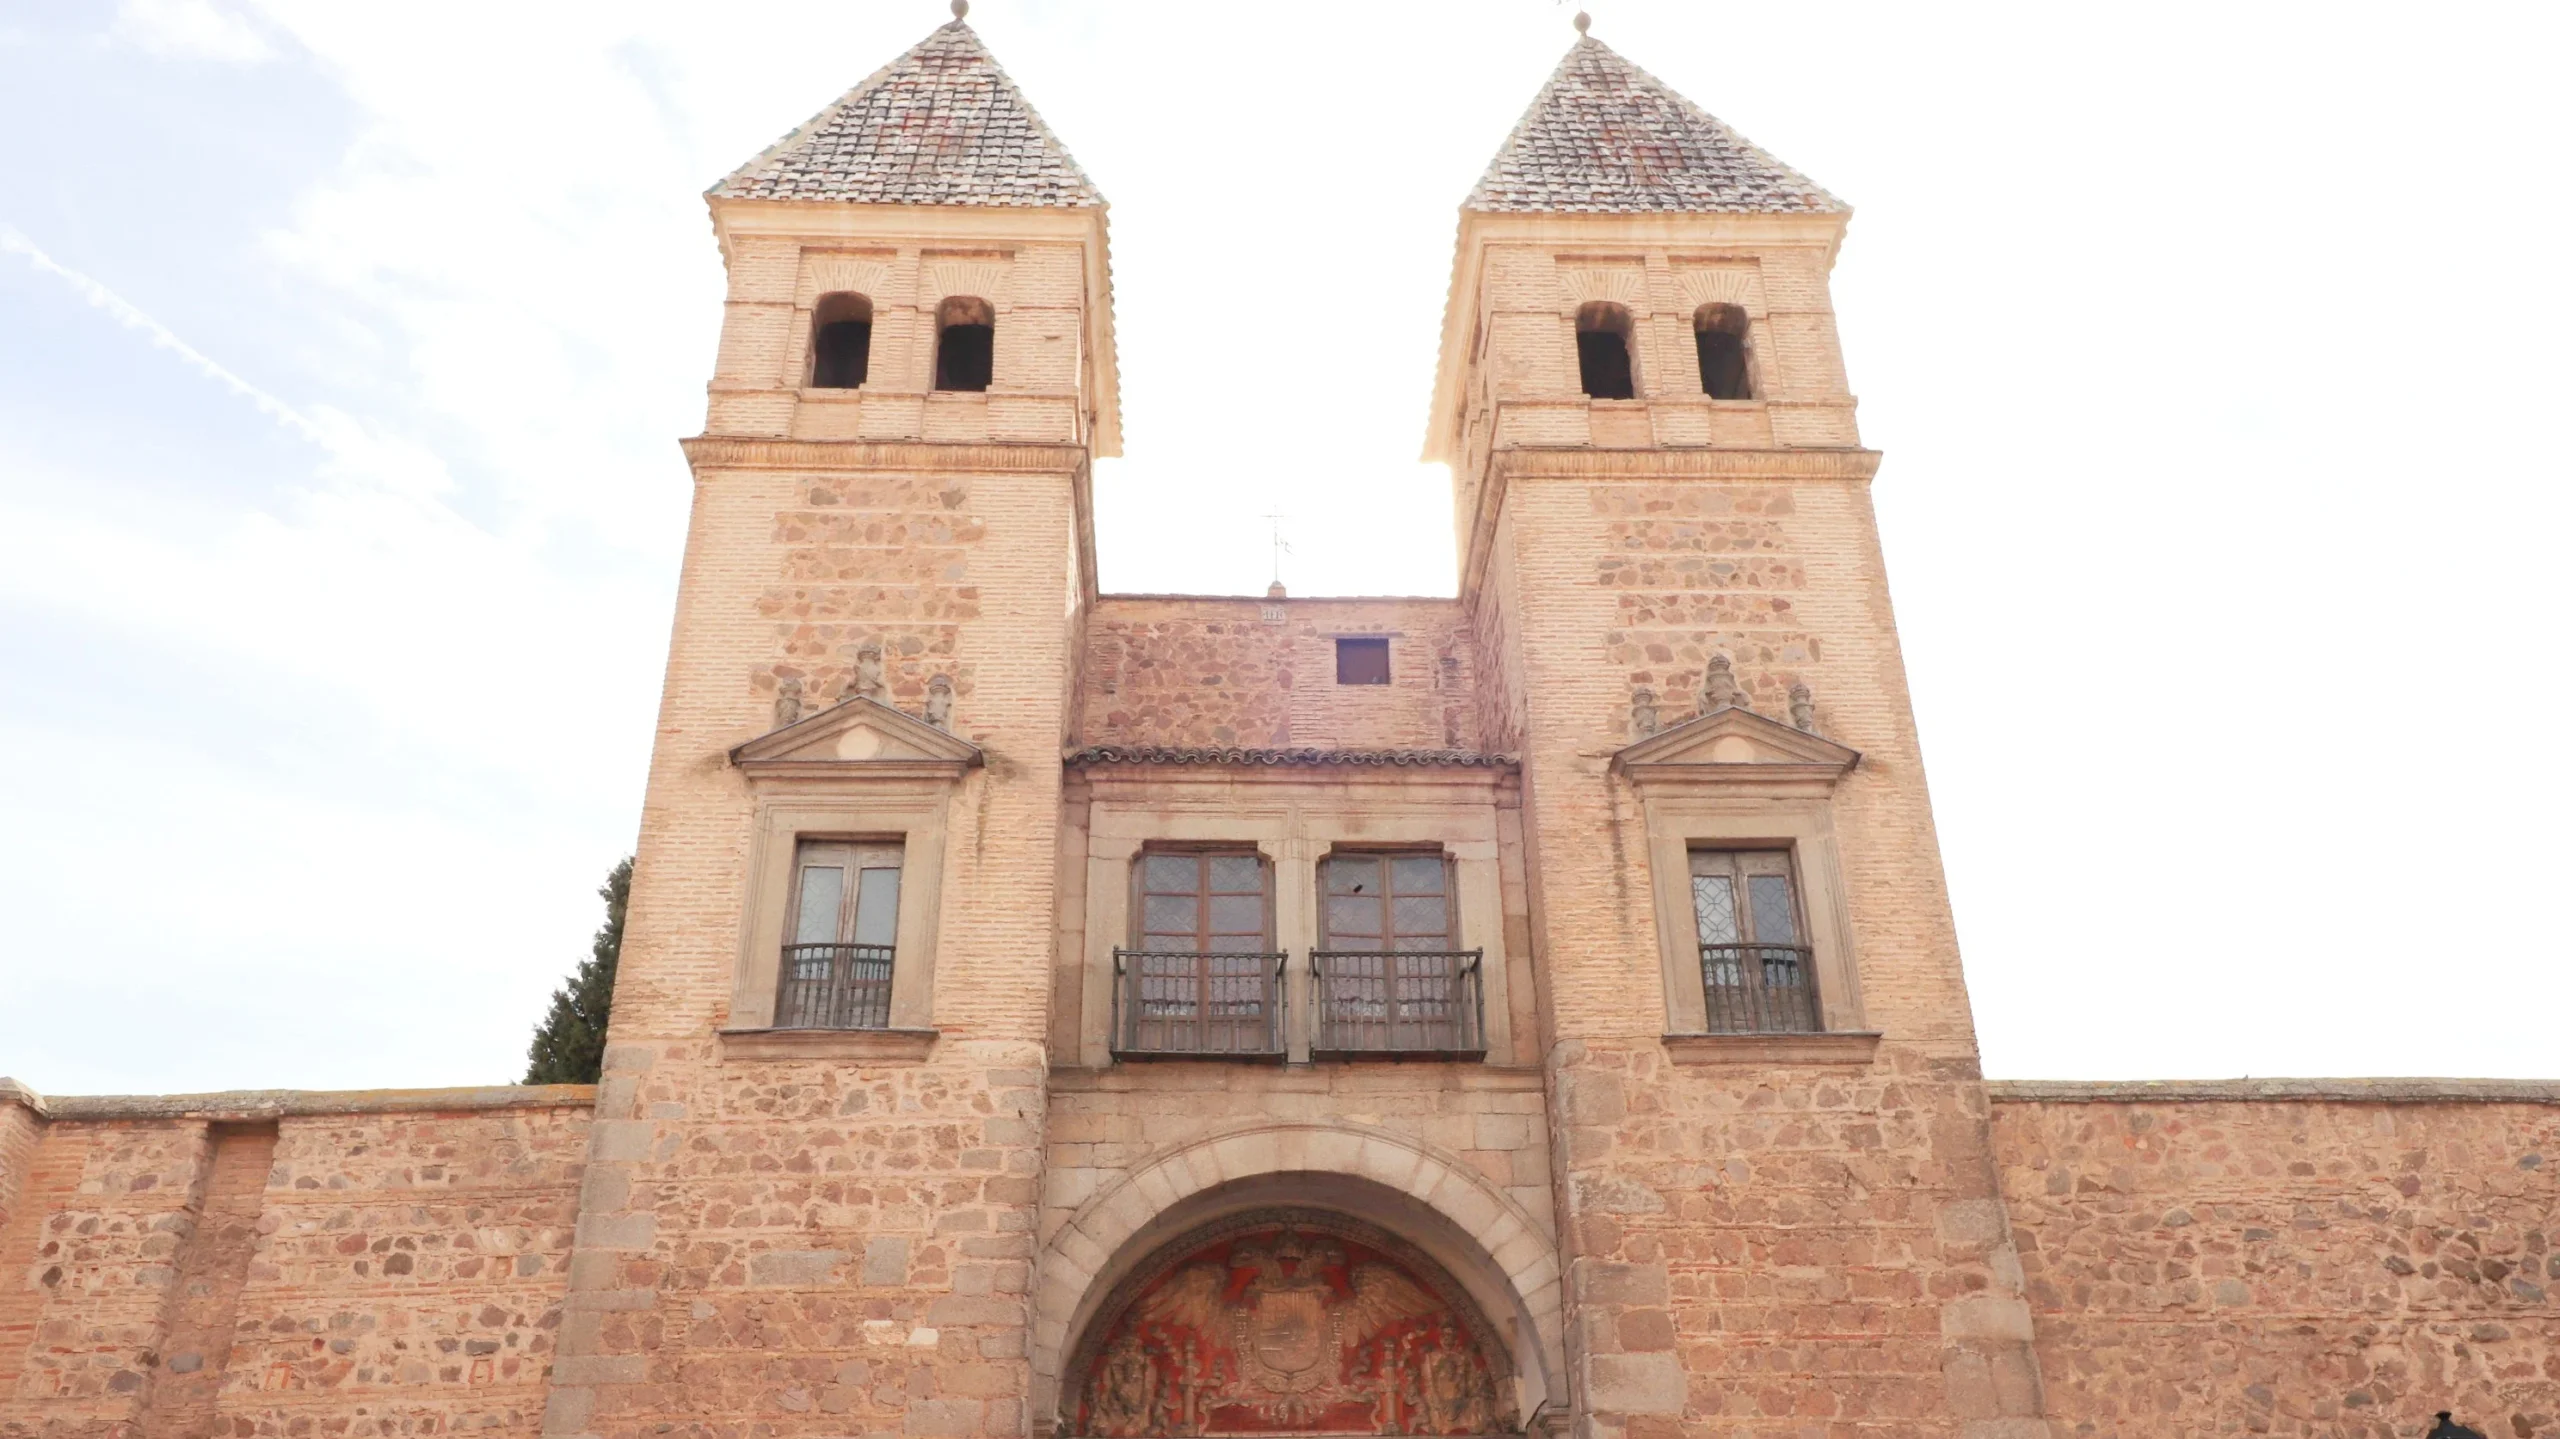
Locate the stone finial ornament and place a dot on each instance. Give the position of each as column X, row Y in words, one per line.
column 1642, row 718
column 786, row 702
column 937, row 702
column 959, row 9
column 1722, row 690
column 870, row 677
column 1581, row 22
column 1800, row 705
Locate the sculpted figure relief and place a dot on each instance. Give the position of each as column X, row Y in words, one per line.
column 1283, row 1329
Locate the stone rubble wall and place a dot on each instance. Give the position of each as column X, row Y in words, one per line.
column 274, row 1264
column 1219, row 671
column 2337, row 1259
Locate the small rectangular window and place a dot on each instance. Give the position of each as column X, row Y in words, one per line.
column 844, row 935
column 1757, row 970
column 1360, row 660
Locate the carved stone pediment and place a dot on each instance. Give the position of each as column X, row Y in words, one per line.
column 1732, row 746
column 858, row 737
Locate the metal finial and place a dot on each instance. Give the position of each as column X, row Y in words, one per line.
column 1581, row 19
column 959, row 9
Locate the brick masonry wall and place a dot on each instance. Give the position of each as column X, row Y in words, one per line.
column 873, row 1220
column 289, row 1268
column 2288, row 1266
column 1260, row 673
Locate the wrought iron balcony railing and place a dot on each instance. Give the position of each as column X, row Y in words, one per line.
column 1180, row 1004
column 1759, row 989
column 835, row 986
column 1399, row 1003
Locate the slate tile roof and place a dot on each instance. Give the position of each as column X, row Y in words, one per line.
column 1605, row 137
column 940, row 125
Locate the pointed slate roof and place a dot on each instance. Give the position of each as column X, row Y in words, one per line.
column 1604, row 137
column 940, row 125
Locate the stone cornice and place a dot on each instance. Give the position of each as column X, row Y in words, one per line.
column 301, row 1103
column 1289, row 758
column 1579, row 462
column 748, row 452
column 2275, row 1091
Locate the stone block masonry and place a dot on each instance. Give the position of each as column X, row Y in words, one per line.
column 281, row 1263
column 2331, row 1259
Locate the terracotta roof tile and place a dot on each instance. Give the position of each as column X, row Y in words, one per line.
column 1605, row 137
column 940, row 125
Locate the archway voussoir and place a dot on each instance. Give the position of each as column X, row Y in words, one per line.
column 1202, row 1162
column 1243, row 1155
column 1541, row 1271
column 1077, row 1247
column 1388, row 1162
column 1333, row 1151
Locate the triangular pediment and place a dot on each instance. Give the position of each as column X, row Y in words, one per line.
column 1735, row 744
column 859, row 735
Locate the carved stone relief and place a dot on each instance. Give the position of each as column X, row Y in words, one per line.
column 1290, row 1322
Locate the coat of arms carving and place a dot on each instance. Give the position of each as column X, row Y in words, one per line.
column 1288, row 1328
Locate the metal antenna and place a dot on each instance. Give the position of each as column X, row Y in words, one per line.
column 1279, row 546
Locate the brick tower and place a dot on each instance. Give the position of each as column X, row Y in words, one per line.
column 1779, row 1205
column 814, row 1175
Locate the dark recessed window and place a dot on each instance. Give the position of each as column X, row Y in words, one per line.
column 1724, row 365
column 840, row 341
column 1360, row 661
column 964, row 352
column 1600, row 335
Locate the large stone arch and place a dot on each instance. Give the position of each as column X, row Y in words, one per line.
column 1502, row 1256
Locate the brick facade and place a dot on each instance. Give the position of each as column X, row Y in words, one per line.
column 1673, row 634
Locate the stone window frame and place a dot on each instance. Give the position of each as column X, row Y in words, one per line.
column 913, row 813
column 1293, row 839
column 1675, row 824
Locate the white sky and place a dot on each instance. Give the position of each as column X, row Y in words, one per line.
column 343, row 351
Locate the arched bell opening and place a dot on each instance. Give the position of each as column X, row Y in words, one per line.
column 1297, row 1304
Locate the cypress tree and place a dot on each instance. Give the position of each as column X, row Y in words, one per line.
column 568, row 1046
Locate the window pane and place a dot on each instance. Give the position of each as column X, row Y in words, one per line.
column 821, row 905
column 1351, row 874
column 1423, row 916
column 1235, row 873
column 1173, row 873
column 1360, row 662
column 875, row 910
column 1711, row 895
column 1235, row 944
column 1236, row 914
column 1421, row 874
column 1773, row 915
column 1353, row 917
column 1173, row 914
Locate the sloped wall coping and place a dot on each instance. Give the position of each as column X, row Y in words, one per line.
column 295, row 1103
column 2275, row 1091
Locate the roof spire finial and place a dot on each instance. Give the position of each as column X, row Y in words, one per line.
column 1581, row 20
column 959, row 9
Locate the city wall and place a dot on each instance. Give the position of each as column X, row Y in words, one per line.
column 284, row 1263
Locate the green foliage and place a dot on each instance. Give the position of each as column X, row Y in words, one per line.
column 568, row 1046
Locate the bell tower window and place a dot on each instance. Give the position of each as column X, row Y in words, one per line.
column 1724, row 359
column 964, row 352
column 1600, row 337
column 840, row 341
